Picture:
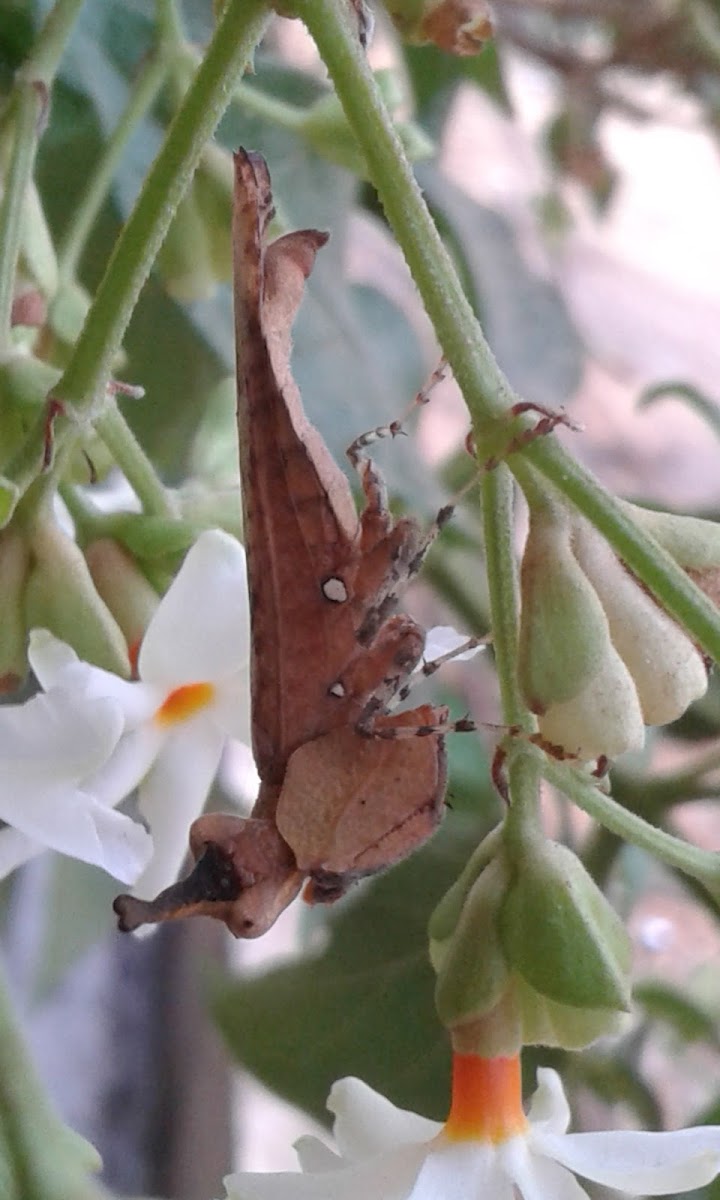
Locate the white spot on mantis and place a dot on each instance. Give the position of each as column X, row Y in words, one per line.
column 334, row 589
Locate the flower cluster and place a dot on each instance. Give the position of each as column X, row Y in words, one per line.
column 599, row 658
column 486, row 1150
column 73, row 753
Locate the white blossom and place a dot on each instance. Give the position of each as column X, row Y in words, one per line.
column 93, row 737
column 387, row 1153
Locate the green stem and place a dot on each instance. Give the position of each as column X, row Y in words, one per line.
column 255, row 100
column 134, row 463
column 50, row 42
column 677, row 593
column 30, row 101
column 28, row 104
column 483, row 384
column 170, row 23
column 236, row 36
column 702, row 865
column 146, row 88
column 497, row 493
column 88, row 370
column 487, row 392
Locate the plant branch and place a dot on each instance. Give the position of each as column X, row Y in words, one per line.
column 486, row 391
column 146, row 88
column 702, row 865
column 236, row 36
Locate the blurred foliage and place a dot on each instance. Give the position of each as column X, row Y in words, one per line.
column 361, row 999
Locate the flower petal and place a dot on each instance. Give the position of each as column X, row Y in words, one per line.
column 15, row 849
column 230, row 709
column 128, row 764
column 367, row 1124
column 49, row 657
column 56, row 665
column 390, row 1177
column 201, row 631
column 172, row 795
column 314, row 1155
column 467, row 1170
column 72, row 822
column 443, row 639
column 642, row 1164
column 53, row 738
column 535, row 1177
column 548, row 1110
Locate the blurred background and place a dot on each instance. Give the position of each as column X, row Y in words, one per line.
column 573, row 169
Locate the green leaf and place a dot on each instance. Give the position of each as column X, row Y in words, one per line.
column 363, row 1005
column 689, row 1020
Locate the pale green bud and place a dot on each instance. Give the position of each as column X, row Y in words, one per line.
column 693, row 542
column 604, row 718
column 598, row 658
column 60, row 596
column 666, row 667
column 564, row 634
column 123, row 587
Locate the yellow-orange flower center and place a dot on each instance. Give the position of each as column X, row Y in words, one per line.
column 184, row 702
column 486, row 1099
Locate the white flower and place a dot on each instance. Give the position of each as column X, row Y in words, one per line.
column 51, row 748
column 164, row 732
column 390, row 1154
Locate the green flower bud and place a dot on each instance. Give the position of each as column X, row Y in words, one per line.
column 24, row 384
column 459, row 27
column 561, row 936
column 598, row 657
column 60, row 596
column 123, row 587
column 446, row 915
column 14, row 567
column 693, row 542
column 667, row 669
column 523, row 1017
column 471, row 966
column 536, row 955
column 564, row 635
